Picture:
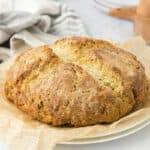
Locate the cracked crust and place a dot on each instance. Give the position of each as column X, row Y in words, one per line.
column 76, row 81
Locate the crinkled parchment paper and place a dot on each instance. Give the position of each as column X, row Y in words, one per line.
column 19, row 132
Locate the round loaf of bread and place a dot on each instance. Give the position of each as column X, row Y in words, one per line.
column 77, row 82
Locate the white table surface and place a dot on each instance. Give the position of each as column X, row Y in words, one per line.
column 102, row 26
column 98, row 23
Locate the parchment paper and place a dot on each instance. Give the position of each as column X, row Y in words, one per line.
column 19, row 132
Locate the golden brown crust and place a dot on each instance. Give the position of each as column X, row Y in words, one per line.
column 78, row 81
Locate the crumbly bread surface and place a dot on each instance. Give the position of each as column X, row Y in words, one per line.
column 76, row 81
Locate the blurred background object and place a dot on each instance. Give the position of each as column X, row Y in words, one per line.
column 6, row 5
column 139, row 14
column 107, row 5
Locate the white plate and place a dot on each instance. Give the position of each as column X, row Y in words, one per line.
column 110, row 137
column 107, row 5
column 122, row 2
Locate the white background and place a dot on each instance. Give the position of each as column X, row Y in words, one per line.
column 102, row 26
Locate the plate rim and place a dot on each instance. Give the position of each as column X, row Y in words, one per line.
column 110, row 137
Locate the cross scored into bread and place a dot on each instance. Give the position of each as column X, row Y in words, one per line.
column 76, row 81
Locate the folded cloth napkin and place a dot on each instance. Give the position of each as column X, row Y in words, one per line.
column 50, row 22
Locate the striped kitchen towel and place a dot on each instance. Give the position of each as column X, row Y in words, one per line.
column 20, row 30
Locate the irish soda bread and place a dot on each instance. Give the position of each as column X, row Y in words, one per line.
column 76, row 81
